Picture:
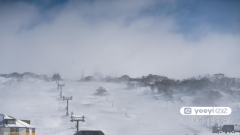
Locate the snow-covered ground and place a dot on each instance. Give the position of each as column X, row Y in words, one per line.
column 122, row 112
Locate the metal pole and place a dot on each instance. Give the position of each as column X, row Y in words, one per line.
column 58, row 83
column 77, row 126
column 67, row 108
column 61, row 91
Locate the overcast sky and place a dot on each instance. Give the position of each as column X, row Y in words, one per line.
column 174, row 38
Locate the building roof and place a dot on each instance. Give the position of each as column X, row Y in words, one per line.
column 19, row 123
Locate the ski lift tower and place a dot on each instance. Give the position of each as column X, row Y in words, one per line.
column 77, row 119
column 61, row 85
column 67, row 98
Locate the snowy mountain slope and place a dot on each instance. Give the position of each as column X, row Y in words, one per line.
column 128, row 112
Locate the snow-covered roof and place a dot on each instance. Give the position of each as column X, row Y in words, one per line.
column 19, row 123
column 6, row 116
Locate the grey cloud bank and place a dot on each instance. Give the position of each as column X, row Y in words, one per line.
column 113, row 38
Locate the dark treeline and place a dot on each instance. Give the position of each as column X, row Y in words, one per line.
column 25, row 75
column 207, row 89
column 210, row 84
column 19, row 76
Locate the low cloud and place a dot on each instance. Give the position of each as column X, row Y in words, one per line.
column 113, row 38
